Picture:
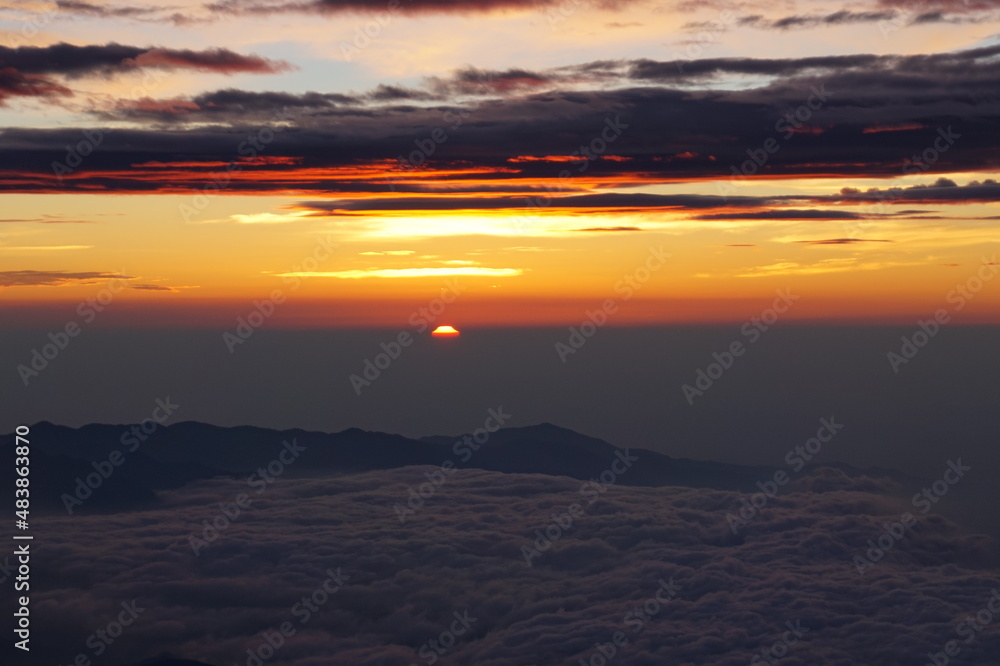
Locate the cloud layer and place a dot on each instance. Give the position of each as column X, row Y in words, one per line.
column 28, row 71
column 463, row 551
column 591, row 126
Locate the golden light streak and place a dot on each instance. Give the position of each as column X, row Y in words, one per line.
column 408, row 272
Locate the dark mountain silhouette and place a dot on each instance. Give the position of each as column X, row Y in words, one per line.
column 172, row 456
column 53, row 475
column 236, row 450
column 549, row 449
column 68, row 464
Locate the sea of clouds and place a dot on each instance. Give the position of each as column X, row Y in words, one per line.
column 639, row 576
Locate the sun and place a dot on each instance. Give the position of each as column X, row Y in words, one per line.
column 445, row 331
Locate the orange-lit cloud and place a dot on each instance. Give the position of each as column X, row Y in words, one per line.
column 31, row 278
column 408, row 272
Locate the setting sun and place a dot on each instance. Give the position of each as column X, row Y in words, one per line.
column 688, row 240
column 445, row 332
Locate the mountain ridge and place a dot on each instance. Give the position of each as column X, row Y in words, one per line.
column 174, row 455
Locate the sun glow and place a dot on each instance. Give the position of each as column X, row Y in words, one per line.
column 445, row 332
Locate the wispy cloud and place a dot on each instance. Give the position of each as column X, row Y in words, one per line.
column 841, row 241
column 55, row 278
column 42, row 248
column 828, row 266
column 408, row 272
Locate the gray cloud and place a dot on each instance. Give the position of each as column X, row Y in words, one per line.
column 842, row 17
column 529, row 135
column 842, row 241
column 73, row 60
column 463, row 551
column 28, row 71
column 265, row 7
column 31, row 278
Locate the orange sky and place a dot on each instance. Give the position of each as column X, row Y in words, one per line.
column 374, row 270
column 327, row 214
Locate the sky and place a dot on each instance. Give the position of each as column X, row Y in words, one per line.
column 695, row 228
column 687, row 160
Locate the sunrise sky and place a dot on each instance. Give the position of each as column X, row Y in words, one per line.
column 535, row 152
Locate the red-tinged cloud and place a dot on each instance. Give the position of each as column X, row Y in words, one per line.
column 264, row 7
column 33, row 70
column 553, row 159
column 152, row 287
column 222, row 61
column 902, row 127
column 18, row 84
column 376, row 143
column 842, row 241
column 73, row 60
